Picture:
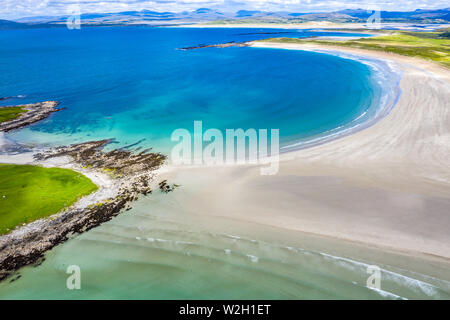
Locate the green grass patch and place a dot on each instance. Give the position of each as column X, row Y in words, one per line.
column 433, row 46
column 10, row 113
column 28, row 192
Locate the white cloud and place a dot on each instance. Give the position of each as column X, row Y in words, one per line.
column 19, row 8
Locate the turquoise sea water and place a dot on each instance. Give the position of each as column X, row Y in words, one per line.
column 133, row 85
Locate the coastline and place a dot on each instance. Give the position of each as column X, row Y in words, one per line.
column 387, row 186
column 385, row 76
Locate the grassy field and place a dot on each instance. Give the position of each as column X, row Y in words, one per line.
column 434, row 46
column 10, row 113
column 31, row 192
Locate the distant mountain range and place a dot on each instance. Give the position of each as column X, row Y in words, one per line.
column 203, row 15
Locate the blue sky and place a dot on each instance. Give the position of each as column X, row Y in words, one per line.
column 23, row 8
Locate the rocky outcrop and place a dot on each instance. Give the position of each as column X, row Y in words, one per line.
column 34, row 113
column 119, row 162
column 132, row 172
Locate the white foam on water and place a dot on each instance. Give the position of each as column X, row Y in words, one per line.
column 183, row 242
column 253, row 258
column 386, row 294
column 411, row 283
column 232, row 236
column 415, row 285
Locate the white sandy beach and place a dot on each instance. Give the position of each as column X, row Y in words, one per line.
column 387, row 186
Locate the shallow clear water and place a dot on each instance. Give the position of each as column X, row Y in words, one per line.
column 133, row 85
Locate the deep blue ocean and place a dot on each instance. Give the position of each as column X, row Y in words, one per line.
column 132, row 84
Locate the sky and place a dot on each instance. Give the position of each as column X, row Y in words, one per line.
column 12, row 9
